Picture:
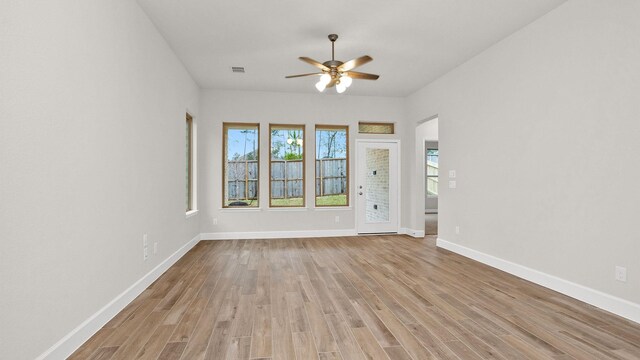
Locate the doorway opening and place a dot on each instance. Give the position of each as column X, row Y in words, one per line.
column 427, row 142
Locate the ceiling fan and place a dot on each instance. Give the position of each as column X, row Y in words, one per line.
column 335, row 72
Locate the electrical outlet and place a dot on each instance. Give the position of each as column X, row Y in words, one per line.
column 155, row 247
column 215, row 221
column 457, row 229
column 145, row 240
column 621, row 273
column 337, row 219
column 452, row 184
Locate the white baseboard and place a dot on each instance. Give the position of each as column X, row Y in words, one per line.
column 277, row 234
column 73, row 340
column 295, row 234
column 616, row 305
column 412, row 232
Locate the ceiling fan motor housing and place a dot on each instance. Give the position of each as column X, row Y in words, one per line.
column 332, row 65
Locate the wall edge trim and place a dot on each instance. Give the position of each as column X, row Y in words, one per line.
column 78, row 336
column 618, row 306
column 412, row 232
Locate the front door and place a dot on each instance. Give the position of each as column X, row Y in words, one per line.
column 377, row 181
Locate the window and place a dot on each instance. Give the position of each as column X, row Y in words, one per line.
column 189, row 162
column 432, row 172
column 241, row 143
column 332, row 165
column 375, row 128
column 286, row 166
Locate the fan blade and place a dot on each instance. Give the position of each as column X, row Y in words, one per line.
column 301, row 75
column 360, row 75
column 332, row 82
column 351, row 64
column 314, row 63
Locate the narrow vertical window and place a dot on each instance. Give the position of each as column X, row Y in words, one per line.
column 241, row 144
column 189, row 162
column 286, row 166
column 432, row 172
column 332, row 165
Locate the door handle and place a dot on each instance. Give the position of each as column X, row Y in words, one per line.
column 360, row 193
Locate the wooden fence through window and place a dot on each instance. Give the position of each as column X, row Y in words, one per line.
column 331, row 176
column 242, row 180
column 286, row 178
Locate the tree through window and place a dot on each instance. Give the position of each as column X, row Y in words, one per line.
column 332, row 165
column 286, row 166
column 241, row 144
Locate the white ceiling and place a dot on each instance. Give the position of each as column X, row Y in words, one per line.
column 412, row 42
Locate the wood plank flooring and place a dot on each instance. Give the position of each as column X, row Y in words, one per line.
column 352, row 298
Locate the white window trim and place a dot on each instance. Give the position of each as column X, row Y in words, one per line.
column 426, row 177
column 333, row 208
column 240, row 209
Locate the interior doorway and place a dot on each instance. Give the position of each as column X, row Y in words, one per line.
column 427, row 141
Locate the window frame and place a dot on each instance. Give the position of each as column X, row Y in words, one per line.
column 426, row 171
column 315, row 173
column 190, row 169
column 225, row 127
column 304, row 162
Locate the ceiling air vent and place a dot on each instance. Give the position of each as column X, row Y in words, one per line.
column 237, row 69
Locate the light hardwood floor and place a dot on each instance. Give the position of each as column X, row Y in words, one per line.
column 431, row 224
column 352, row 298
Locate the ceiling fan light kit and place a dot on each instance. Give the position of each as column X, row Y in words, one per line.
column 335, row 72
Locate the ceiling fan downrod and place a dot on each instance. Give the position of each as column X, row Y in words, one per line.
column 333, row 38
column 333, row 63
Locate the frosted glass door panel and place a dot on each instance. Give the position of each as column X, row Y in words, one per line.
column 377, row 185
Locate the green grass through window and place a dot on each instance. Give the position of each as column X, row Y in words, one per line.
column 287, row 202
column 331, row 200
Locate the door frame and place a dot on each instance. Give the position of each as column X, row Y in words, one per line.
column 357, row 179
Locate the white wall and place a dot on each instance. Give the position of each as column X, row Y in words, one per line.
column 281, row 108
column 543, row 131
column 92, row 156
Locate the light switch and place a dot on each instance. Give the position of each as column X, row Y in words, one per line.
column 452, row 184
column 452, row 174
